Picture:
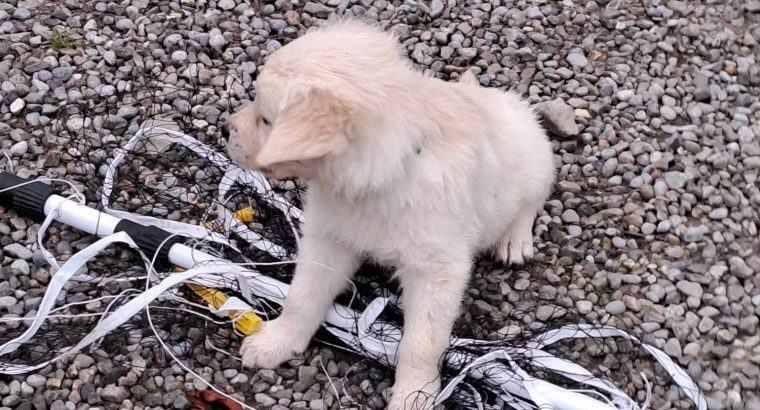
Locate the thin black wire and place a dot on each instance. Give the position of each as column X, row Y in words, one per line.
column 618, row 360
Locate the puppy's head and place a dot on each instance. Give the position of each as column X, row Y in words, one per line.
column 310, row 96
column 288, row 129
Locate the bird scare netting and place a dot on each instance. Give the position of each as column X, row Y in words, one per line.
column 184, row 254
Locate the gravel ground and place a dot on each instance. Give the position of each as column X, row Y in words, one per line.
column 653, row 107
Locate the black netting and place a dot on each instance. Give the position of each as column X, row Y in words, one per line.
column 172, row 182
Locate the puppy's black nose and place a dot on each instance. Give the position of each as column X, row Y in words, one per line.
column 226, row 131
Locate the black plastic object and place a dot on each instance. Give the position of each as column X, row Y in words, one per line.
column 150, row 239
column 28, row 199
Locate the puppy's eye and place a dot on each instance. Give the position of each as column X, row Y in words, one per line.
column 265, row 121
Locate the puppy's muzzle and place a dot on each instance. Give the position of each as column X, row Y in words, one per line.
column 230, row 134
column 225, row 130
column 229, row 130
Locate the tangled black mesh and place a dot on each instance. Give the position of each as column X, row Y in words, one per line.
column 174, row 183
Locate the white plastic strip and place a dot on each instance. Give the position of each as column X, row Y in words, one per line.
column 163, row 137
column 49, row 219
column 679, row 376
column 232, row 225
column 516, row 382
column 572, row 371
column 473, row 369
column 120, row 316
column 232, row 304
column 387, row 347
column 57, row 283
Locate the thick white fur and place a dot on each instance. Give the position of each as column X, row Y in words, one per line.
column 406, row 170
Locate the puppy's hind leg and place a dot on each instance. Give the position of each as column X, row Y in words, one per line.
column 516, row 245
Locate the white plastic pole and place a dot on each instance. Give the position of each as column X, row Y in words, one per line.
column 81, row 217
column 100, row 223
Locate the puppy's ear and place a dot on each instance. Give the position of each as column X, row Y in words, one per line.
column 313, row 123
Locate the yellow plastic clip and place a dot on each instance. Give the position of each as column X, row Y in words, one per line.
column 245, row 215
column 247, row 323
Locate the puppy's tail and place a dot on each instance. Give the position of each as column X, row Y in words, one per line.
column 468, row 77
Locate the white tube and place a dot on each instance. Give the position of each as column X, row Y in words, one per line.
column 81, row 217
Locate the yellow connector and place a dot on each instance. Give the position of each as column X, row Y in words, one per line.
column 245, row 215
column 248, row 323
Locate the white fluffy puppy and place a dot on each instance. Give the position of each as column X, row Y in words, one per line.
column 405, row 170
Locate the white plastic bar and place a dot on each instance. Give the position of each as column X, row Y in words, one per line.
column 81, row 217
column 100, row 223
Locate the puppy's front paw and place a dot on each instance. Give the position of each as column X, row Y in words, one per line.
column 414, row 396
column 515, row 251
column 275, row 343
